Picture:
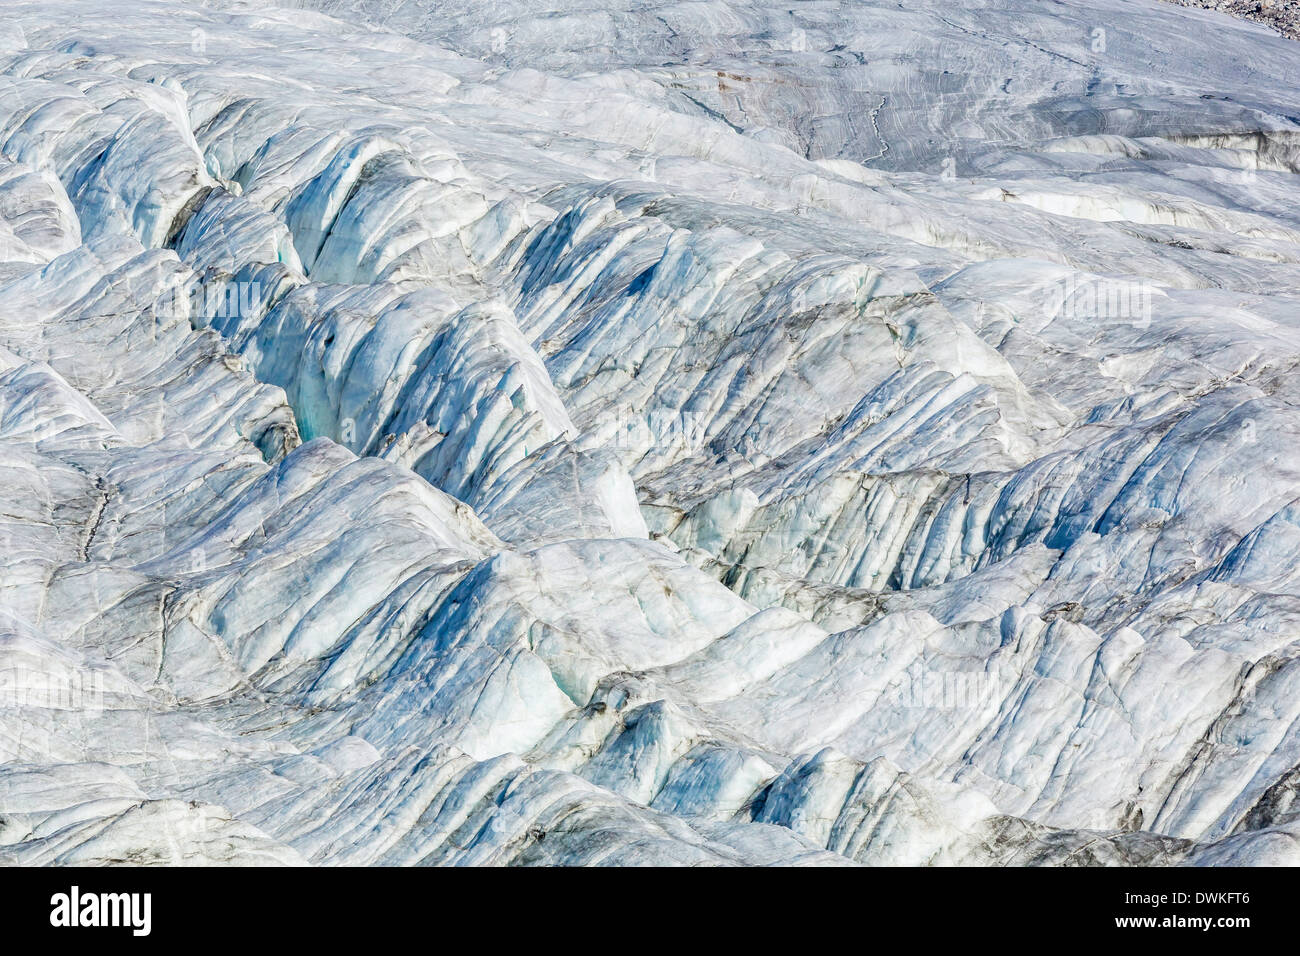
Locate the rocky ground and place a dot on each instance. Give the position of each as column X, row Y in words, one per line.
column 1281, row 15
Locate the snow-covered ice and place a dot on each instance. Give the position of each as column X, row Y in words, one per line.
column 648, row 432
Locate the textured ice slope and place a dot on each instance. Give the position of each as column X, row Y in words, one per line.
column 648, row 433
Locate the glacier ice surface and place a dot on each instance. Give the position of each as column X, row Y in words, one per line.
column 648, row 433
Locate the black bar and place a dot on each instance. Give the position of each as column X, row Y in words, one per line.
column 765, row 907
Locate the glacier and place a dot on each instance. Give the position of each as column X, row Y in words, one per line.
column 648, row 432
